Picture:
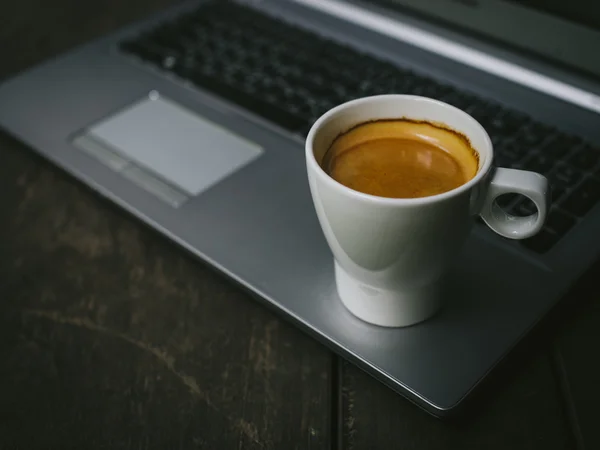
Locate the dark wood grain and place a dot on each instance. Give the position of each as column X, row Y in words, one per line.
column 525, row 413
column 35, row 30
column 576, row 356
column 110, row 336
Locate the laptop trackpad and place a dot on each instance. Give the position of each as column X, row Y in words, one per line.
column 173, row 144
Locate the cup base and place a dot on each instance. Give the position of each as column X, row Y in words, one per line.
column 387, row 308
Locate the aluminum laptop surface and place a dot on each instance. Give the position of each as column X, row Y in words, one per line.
column 230, row 186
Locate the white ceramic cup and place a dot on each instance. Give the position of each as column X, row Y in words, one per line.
column 390, row 254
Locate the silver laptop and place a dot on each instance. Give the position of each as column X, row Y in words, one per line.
column 193, row 120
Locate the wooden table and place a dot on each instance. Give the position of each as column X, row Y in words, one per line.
column 112, row 337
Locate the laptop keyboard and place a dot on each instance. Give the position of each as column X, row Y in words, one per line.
column 290, row 76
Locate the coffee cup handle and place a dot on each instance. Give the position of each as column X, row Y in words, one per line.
column 513, row 181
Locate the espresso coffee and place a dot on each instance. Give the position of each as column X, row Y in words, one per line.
column 401, row 159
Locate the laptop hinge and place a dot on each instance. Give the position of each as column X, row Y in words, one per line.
column 458, row 52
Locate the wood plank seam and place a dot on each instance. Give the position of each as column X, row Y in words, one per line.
column 567, row 397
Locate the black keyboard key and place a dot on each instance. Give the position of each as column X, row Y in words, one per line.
column 512, row 151
column 533, row 135
column 583, row 198
column 505, row 201
column 555, row 149
column 558, row 190
column 560, row 146
column 559, row 222
column 523, row 208
column 498, row 123
column 479, row 110
column 502, row 161
column 566, row 175
column 145, row 51
column 499, row 141
column 514, row 121
column 261, row 107
column 170, row 39
column 586, row 158
column 442, row 90
column 541, row 242
column 539, row 163
column 459, row 99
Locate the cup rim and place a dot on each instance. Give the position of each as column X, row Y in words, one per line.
column 316, row 167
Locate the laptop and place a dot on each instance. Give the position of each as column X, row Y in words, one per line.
column 193, row 120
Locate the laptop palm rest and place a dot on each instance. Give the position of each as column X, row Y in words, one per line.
column 166, row 149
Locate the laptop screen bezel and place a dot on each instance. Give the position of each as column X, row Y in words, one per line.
column 558, row 40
